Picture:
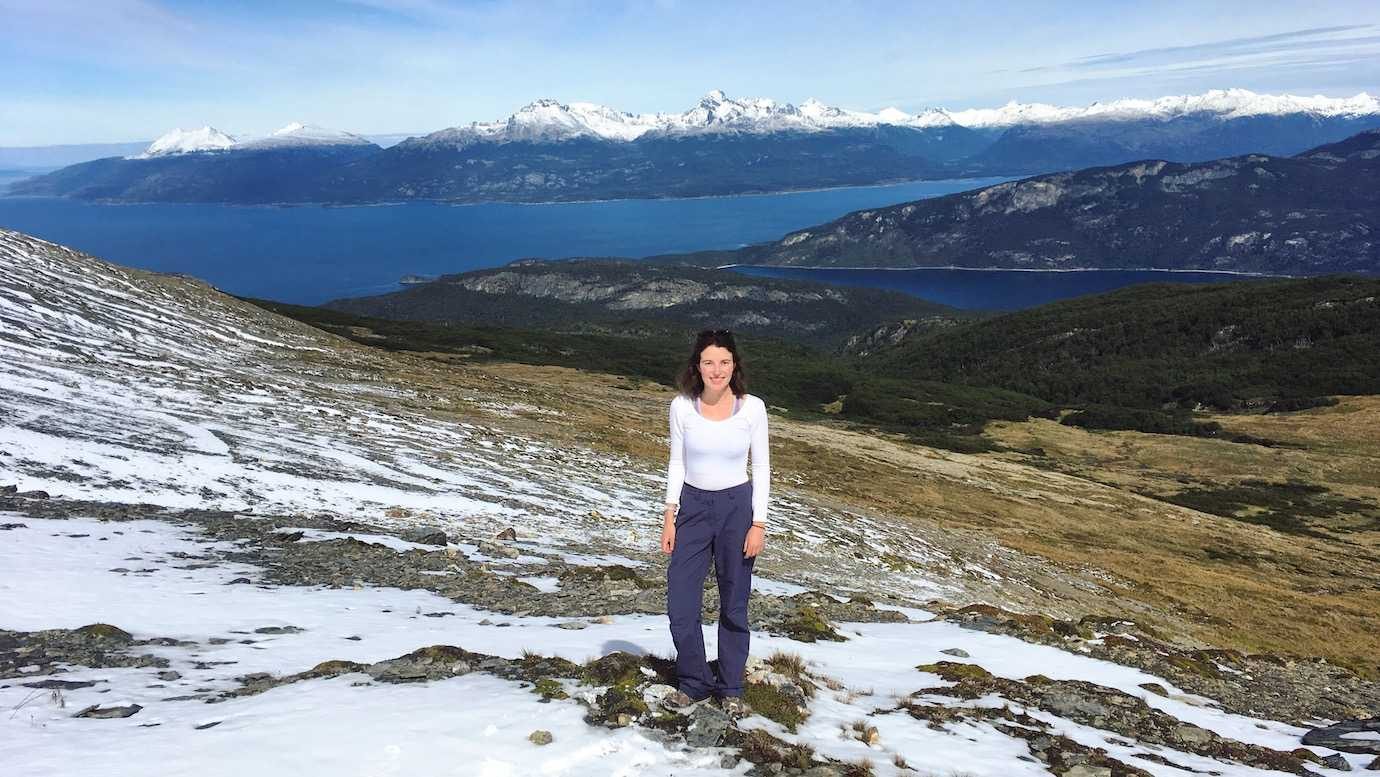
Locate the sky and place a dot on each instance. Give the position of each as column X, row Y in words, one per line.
column 83, row 71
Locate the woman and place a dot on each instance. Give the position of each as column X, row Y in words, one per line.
column 713, row 511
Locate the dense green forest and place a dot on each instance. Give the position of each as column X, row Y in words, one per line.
column 1164, row 349
column 1141, row 358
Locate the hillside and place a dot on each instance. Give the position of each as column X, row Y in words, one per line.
column 623, row 296
column 227, row 534
column 1309, row 214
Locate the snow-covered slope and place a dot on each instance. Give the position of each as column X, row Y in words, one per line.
column 127, row 386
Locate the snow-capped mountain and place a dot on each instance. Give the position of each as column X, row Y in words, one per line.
column 549, row 120
column 1220, row 103
column 298, row 135
column 180, row 141
column 210, row 139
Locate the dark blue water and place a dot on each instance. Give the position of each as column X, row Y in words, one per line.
column 992, row 289
column 311, row 254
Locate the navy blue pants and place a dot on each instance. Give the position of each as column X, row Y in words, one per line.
column 710, row 526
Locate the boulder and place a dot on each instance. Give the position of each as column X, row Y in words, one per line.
column 427, row 536
column 1334, row 736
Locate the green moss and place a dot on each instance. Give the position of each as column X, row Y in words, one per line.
column 616, row 668
column 550, row 689
column 106, row 632
column 759, row 747
column 1200, row 668
column 440, row 654
column 620, row 700
column 611, row 572
column 334, row 667
column 956, row 672
column 807, row 625
column 768, row 700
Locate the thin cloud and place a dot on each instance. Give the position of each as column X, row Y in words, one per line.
column 1317, row 37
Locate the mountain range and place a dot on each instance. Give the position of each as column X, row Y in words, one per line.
column 554, row 151
column 1313, row 213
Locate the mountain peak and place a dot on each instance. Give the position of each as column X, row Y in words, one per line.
column 301, row 134
column 188, row 141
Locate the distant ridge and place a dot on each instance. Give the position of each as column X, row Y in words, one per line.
column 1314, row 213
column 553, row 151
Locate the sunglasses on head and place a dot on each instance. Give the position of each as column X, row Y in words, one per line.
column 716, row 333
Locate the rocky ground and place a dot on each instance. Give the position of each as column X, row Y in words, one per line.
column 1186, row 711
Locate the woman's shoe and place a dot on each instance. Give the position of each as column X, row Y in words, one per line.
column 679, row 699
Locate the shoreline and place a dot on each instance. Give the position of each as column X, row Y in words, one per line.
column 991, row 181
column 1246, row 273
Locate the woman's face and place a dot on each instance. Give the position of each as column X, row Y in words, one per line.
column 716, row 367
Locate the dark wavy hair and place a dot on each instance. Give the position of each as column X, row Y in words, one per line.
column 689, row 382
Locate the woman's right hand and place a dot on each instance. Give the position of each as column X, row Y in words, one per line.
column 668, row 530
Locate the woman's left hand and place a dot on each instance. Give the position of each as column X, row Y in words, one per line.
column 756, row 538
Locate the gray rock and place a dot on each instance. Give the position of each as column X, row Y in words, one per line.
column 1374, row 766
column 10, row 489
column 279, row 630
column 1332, row 736
column 1069, row 704
column 660, row 694
column 540, row 737
column 426, row 536
column 60, row 685
column 1083, row 770
column 572, row 625
column 33, row 495
column 11, row 526
column 498, row 551
column 956, row 652
column 1336, row 761
column 1192, row 735
column 97, row 711
column 707, row 726
column 508, row 535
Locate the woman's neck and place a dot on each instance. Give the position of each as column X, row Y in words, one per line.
column 710, row 397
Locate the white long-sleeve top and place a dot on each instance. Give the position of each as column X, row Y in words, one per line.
column 713, row 455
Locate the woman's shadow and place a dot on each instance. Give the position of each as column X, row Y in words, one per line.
column 664, row 667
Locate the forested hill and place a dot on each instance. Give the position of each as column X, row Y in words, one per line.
column 1150, row 346
column 1311, row 214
